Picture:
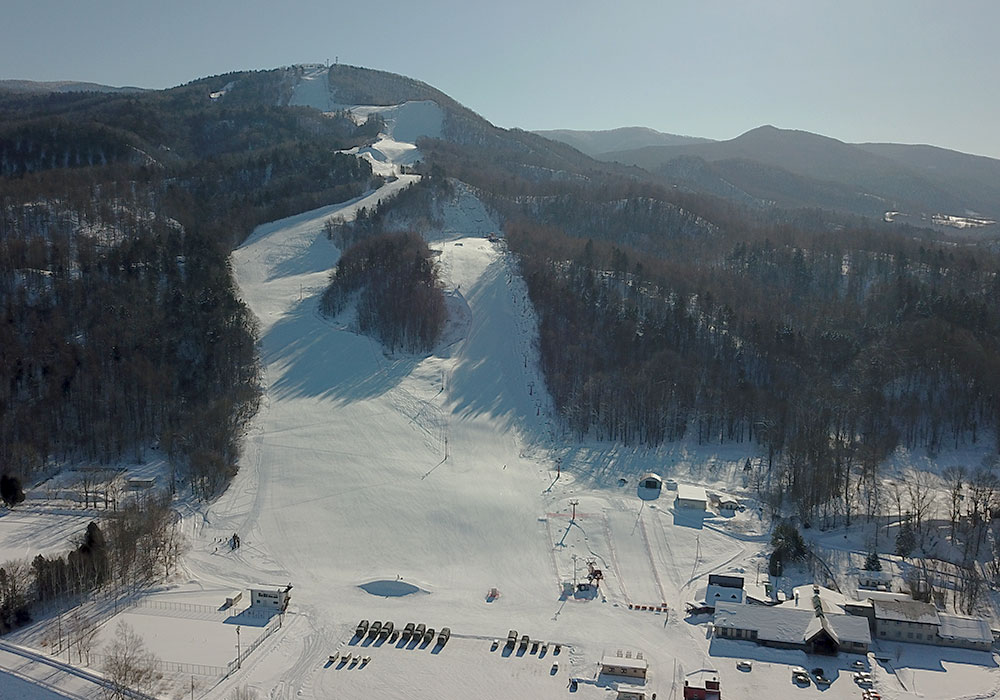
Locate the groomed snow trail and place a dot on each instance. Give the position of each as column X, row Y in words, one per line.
column 363, row 466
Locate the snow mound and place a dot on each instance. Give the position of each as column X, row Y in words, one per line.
column 390, row 588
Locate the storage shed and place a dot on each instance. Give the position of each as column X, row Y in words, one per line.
column 691, row 497
column 651, row 481
column 702, row 684
column 877, row 580
column 274, row 598
column 619, row 664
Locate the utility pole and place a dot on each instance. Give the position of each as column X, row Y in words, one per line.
column 238, row 660
column 574, row 572
column 574, row 503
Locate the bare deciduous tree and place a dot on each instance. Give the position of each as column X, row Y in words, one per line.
column 954, row 477
column 82, row 633
column 128, row 666
column 921, row 496
column 243, row 692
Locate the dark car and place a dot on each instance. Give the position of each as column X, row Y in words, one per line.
column 362, row 628
column 386, row 629
column 408, row 630
column 375, row 628
column 444, row 636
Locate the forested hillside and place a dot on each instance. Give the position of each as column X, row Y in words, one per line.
column 121, row 327
column 827, row 340
column 828, row 349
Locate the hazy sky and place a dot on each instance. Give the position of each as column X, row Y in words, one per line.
column 910, row 71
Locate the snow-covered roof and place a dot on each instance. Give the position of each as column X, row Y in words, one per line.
column 869, row 597
column 804, row 597
column 790, row 625
column 702, row 678
column 624, row 661
column 869, row 575
column 850, row 628
column 716, row 594
column 687, row 492
column 652, row 475
column 906, row 611
column 974, row 629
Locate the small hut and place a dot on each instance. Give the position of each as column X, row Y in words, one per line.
column 652, row 481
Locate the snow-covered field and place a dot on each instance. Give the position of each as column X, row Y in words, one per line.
column 406, row 488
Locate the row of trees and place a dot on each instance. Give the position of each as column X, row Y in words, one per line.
column 131, row 548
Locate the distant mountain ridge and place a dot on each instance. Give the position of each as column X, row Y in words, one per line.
column 595, row 143
column 35, row 86
column 798, row 168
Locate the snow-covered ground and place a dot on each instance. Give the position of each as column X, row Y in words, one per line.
column 406, row 488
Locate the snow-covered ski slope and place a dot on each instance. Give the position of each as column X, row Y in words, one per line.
column 363, row 467
column 368, row 476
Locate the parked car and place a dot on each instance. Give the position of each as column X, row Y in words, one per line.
column 525, row 640
column 418, row 631
column 428, row 635
column 444, row 636
column 512, row 638
column 362, row 628
column 375, row 628
column 408, row 630
column 744, row 665
column 494, row 645
column 386, row 629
